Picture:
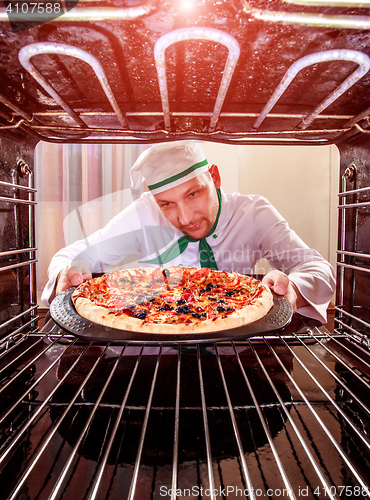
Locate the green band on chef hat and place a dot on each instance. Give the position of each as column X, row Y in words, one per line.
column 167, row 165
column 180, row 175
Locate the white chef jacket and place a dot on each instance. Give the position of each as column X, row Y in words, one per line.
column 249, row 228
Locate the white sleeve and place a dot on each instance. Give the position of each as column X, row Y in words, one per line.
column 306, row 268
column 121, row 237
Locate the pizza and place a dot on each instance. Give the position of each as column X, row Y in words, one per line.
column 173, row 300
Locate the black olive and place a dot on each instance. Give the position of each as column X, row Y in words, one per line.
column 180, row 302
column 166, row 273
column 141, row 315
column 221, row 309
column 196, row 315
column 220, row 301
column 141, row 299
column 230, row 293
column 183, row 310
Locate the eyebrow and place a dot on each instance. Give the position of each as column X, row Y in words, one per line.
column 185, row 193
column 162, row 200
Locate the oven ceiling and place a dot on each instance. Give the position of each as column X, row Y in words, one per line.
column 136, row 71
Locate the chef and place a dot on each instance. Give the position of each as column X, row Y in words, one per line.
column 185, row 218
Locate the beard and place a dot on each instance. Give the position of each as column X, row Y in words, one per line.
column 205, row 224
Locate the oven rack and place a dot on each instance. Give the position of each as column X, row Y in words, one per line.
column 269, row 414
column 18, row 258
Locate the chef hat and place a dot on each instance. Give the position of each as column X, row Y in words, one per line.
column 167, row 165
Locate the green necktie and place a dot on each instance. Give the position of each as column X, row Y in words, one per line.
column 207, row 259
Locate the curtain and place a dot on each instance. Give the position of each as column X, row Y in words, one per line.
column 80, row 188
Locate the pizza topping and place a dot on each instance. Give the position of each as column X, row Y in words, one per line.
column 166, row 273
column 183, row 309
column 187, row 297
column 200, row 275
column 158, row 275
column 141, row 314
column 172, row 295
column 229, row 281
column 166, row 307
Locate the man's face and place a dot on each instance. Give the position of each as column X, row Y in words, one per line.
column 192, row 206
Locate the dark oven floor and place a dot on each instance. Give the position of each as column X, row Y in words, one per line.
column 277, row 417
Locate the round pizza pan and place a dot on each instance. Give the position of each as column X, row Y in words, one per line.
column 65, row 315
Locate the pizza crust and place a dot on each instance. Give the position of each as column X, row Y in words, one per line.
column 241, row 317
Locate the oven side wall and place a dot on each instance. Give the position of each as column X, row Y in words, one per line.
column 353, row 298
column 17, row 243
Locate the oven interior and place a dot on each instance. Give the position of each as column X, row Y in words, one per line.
column 283, row 415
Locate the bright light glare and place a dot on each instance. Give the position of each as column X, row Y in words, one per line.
column 187, row 4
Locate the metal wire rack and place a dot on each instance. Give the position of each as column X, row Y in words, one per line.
column 280, row 416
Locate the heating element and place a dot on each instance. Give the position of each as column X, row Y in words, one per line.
column 227, row 71
column 279, row 417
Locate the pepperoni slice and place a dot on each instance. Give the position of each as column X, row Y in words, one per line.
column 166, row 297
column 200, row 275
column 232, row 281
column 157, row 277
column 188, row 296
column 176, row 276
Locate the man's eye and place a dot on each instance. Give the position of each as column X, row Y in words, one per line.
column 166, row 205
column 193, row 194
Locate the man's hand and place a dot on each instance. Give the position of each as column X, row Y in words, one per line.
column 281, row 284
column 72, row 276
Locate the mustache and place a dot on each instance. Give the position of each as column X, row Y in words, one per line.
column 190, row 225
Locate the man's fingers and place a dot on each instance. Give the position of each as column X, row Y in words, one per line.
column 74, row 277
column 70, row 277
column 268, row 281
column 278, row 281
column 280, row 288
column 62, row 282
column 281, row 284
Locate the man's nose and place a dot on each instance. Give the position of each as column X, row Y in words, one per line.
column 185, row 214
